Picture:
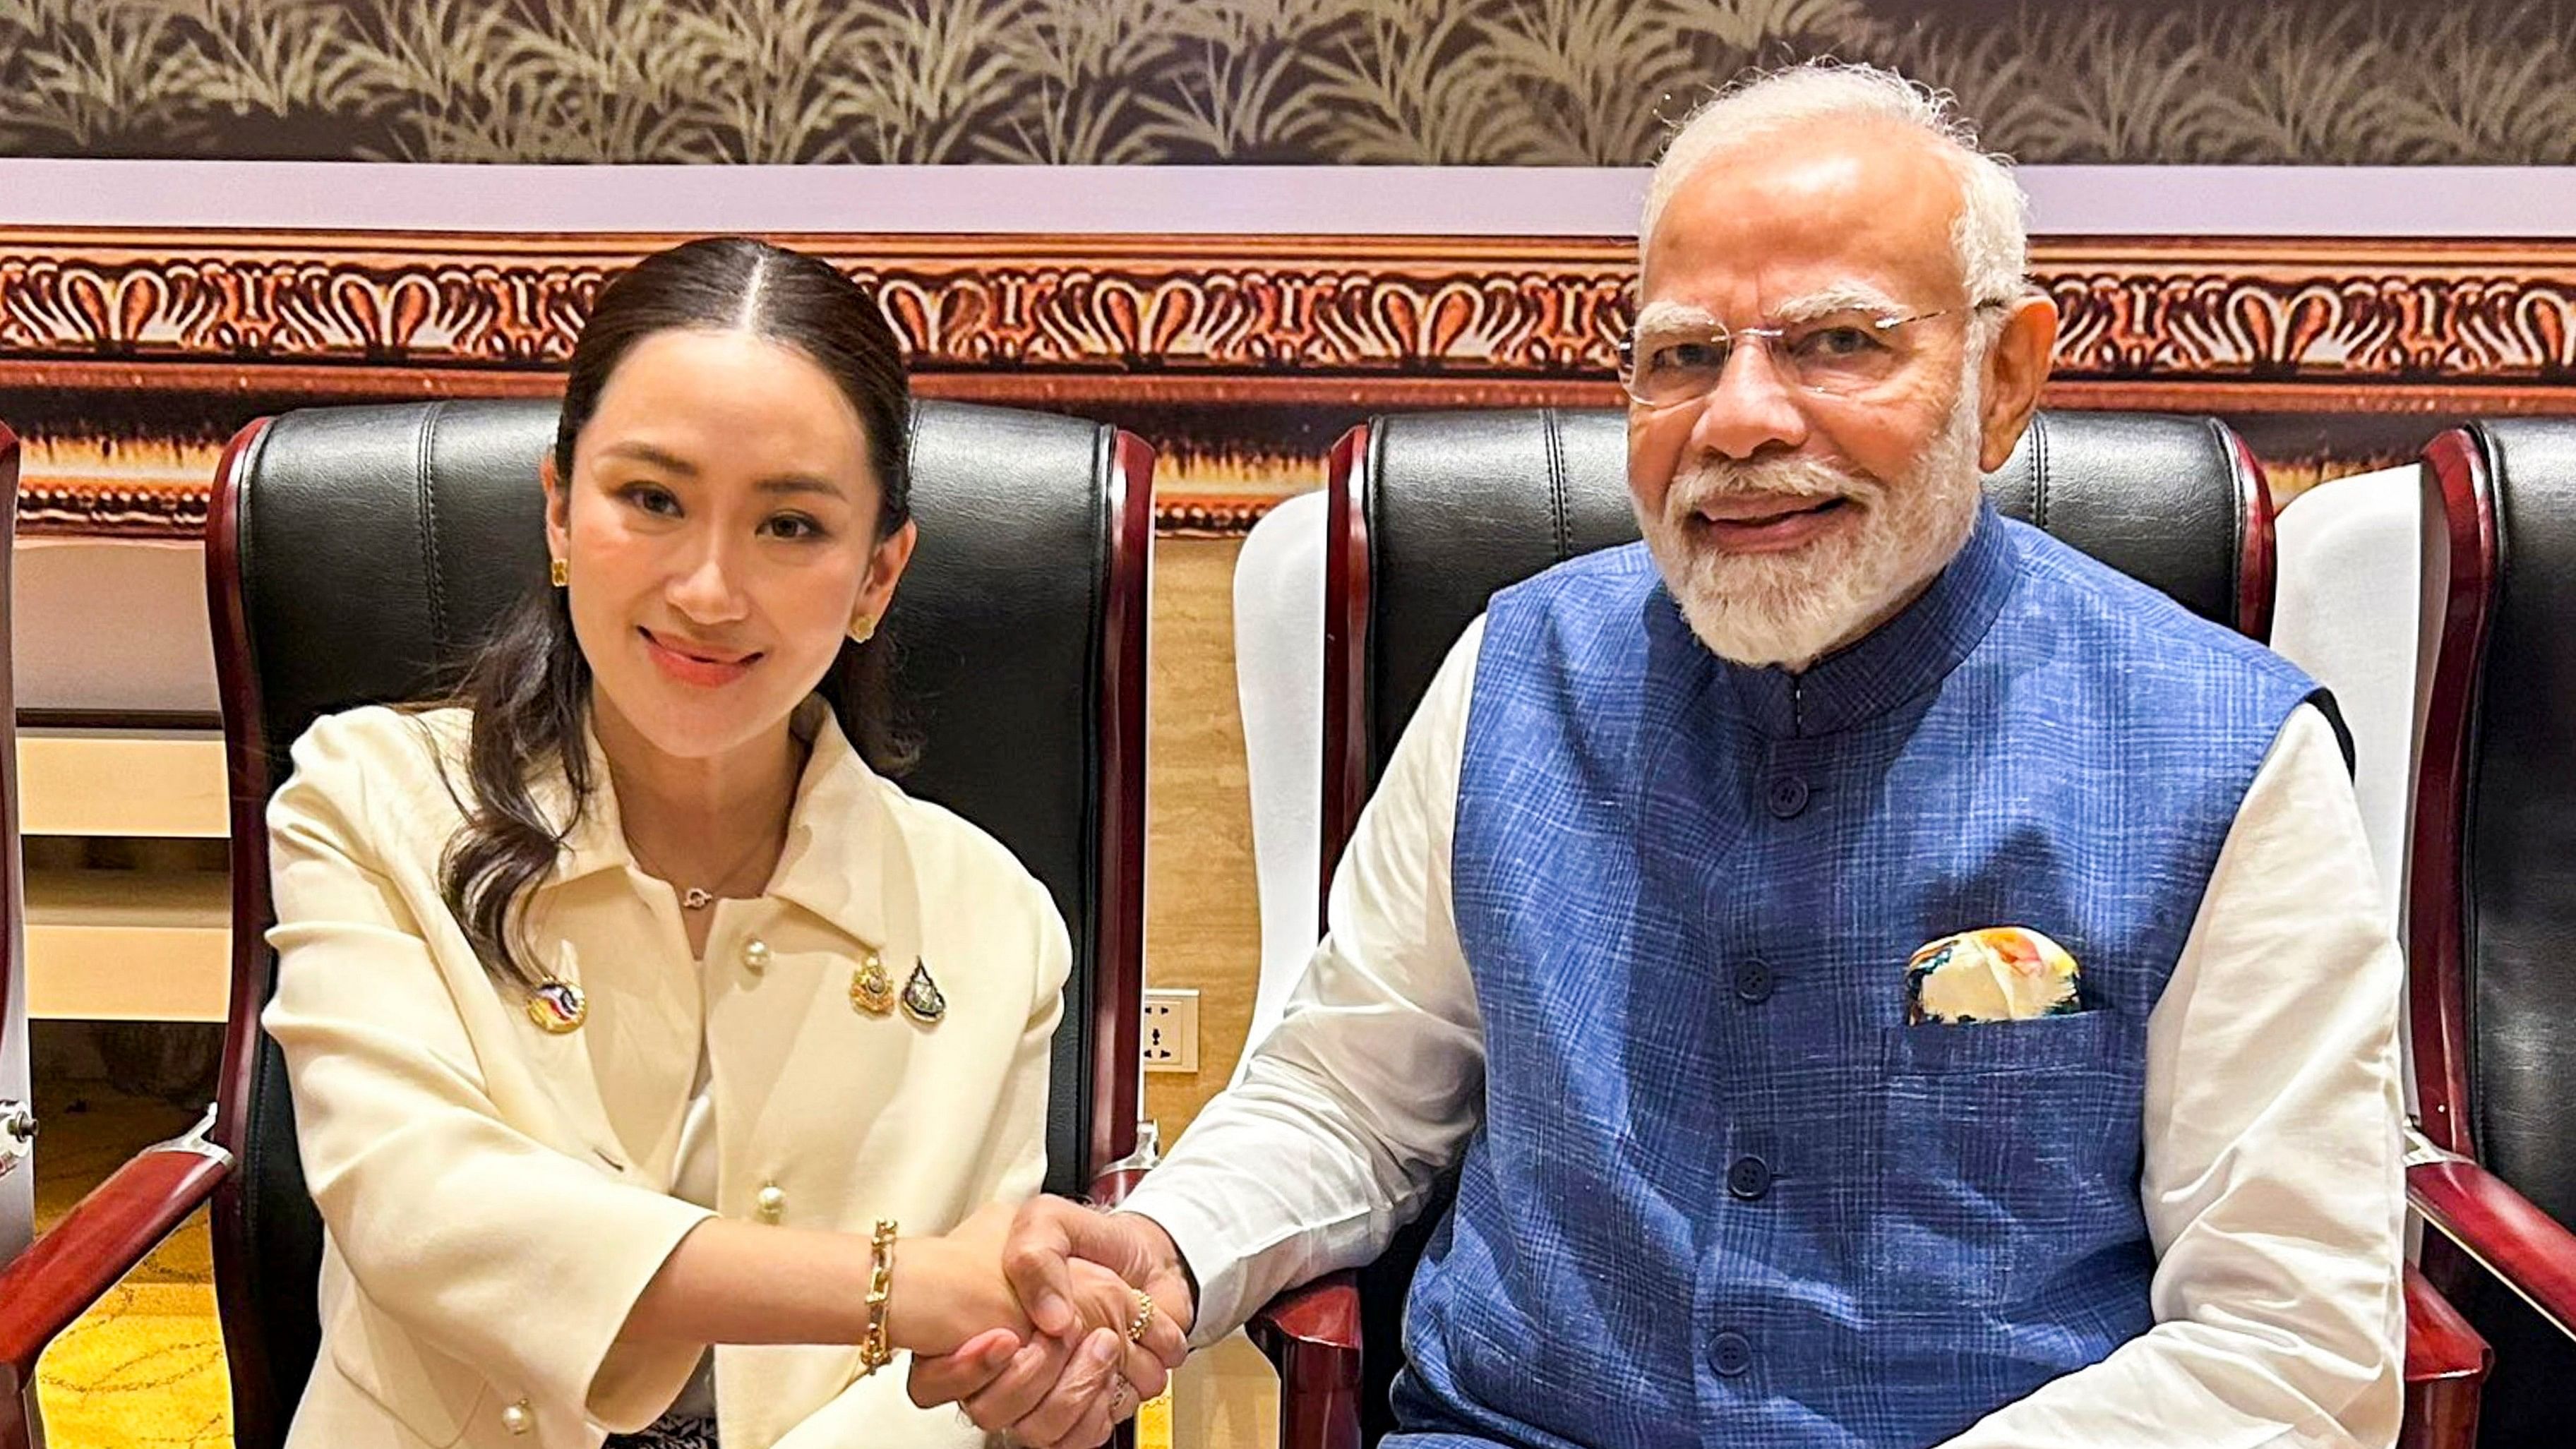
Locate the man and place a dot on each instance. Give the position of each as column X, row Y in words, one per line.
column 1881, row 977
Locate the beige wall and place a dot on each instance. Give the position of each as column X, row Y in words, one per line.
column 1202, row 927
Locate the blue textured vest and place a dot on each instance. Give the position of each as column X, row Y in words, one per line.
column 1722, row 1193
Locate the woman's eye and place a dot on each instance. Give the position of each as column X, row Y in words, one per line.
column 652, row 498
column 795, row 526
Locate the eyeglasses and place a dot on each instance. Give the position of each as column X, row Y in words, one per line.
column 1838, row 354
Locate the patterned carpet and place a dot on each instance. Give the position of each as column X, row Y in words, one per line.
column 145, row 1368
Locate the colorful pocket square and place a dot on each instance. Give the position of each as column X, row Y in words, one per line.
column 2001, row 973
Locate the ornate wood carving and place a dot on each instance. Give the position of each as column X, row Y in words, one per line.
column 2245, row 325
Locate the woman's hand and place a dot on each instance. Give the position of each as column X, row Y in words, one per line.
column 950, row 1289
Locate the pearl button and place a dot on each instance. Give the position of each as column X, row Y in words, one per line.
column 771, row 1204
column 755, row 955
column 517, row 1419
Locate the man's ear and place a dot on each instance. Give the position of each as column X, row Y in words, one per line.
column 2016, row 370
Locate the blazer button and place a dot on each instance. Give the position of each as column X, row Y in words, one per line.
column 1786, row 797
column 755, row 955
column 1731, row 1353
column 1749, row 1178
column 771, row 1204
column 517, row 1419
column 1753, row 981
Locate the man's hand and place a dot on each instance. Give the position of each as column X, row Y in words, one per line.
column 1064, row 1389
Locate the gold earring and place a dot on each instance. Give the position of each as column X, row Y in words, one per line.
column 561, row 573
column 863, row 629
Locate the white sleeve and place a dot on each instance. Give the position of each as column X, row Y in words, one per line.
column 1370, row 1084
column 2272, row 1185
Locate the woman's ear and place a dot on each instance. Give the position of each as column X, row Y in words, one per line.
column 558, row 510
column 886, row 563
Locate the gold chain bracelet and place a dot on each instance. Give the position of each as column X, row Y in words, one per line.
column 875, row 1353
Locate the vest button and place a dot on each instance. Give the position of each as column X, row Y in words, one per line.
column 1731, row 1352
column 1753, row 981
column 1749, row 1178
column 1787, row 796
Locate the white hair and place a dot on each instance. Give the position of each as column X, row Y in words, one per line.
column 1991, row 236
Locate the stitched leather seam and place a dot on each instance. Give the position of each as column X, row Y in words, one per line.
column 1550, row 425
column 427, row 503
column 2240, row 493
column 2039, row 471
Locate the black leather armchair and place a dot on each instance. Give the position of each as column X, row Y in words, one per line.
column 1431, row 513
column 354, row 554
column 2491, row 907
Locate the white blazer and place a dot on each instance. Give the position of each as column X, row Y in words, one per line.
column 495, row 1198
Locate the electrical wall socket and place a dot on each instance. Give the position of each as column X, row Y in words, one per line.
column 1171, row 1030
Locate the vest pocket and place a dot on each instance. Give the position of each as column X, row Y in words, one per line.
column 1999, row 1145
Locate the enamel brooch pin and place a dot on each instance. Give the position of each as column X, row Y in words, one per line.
column 921, row 999
column 558, row 1007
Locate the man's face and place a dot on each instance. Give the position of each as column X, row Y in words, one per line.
column 1822, row 480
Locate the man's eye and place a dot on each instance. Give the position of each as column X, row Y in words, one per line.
column 1826, row 343
column 1703, row 356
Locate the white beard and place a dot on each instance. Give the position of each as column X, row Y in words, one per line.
column 1793, row 608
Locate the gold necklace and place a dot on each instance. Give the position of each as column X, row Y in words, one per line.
column 695, row 898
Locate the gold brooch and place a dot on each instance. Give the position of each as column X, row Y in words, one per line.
column 871, row 988
column 558, row 1007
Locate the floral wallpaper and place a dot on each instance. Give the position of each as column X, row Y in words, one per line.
column 1440, row 82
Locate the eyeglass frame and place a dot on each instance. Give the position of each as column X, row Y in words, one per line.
column 1627, row 348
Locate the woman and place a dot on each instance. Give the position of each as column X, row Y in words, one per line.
column 629, row 1009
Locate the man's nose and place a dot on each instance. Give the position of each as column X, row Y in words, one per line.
column 1753, row 408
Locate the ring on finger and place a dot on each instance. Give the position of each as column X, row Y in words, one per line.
column 1144, row 1317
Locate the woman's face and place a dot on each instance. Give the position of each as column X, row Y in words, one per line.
column 720, row 528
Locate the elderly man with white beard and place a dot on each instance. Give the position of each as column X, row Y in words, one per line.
column 1880, row 977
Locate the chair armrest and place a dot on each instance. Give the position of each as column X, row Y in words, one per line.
column 2499, row 1228
column 98, row 1242
column 1312, row 1336
column 2440, row 1344
column 1110, row 1188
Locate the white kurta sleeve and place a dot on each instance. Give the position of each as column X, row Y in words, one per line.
column 2272, row 1185
column 1369, row 1086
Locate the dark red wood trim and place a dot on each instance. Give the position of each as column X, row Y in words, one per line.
column 119, row 719
column 1312, row 1336
column 2257, row 564
column 1118, row 1002
column 13, row 934
column 2460, row 565
column 1346, row 639
column 2446, row 1369
column 98, row 1242
column 2440, row 1343
column 256, row 1420
column 2522, row 1246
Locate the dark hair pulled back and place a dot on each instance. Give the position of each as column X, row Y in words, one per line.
column 529, row 685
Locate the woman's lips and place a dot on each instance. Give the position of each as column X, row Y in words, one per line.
column 697, row 664
column 1767, row 527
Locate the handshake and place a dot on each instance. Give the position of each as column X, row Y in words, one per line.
column 1104, row 1307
